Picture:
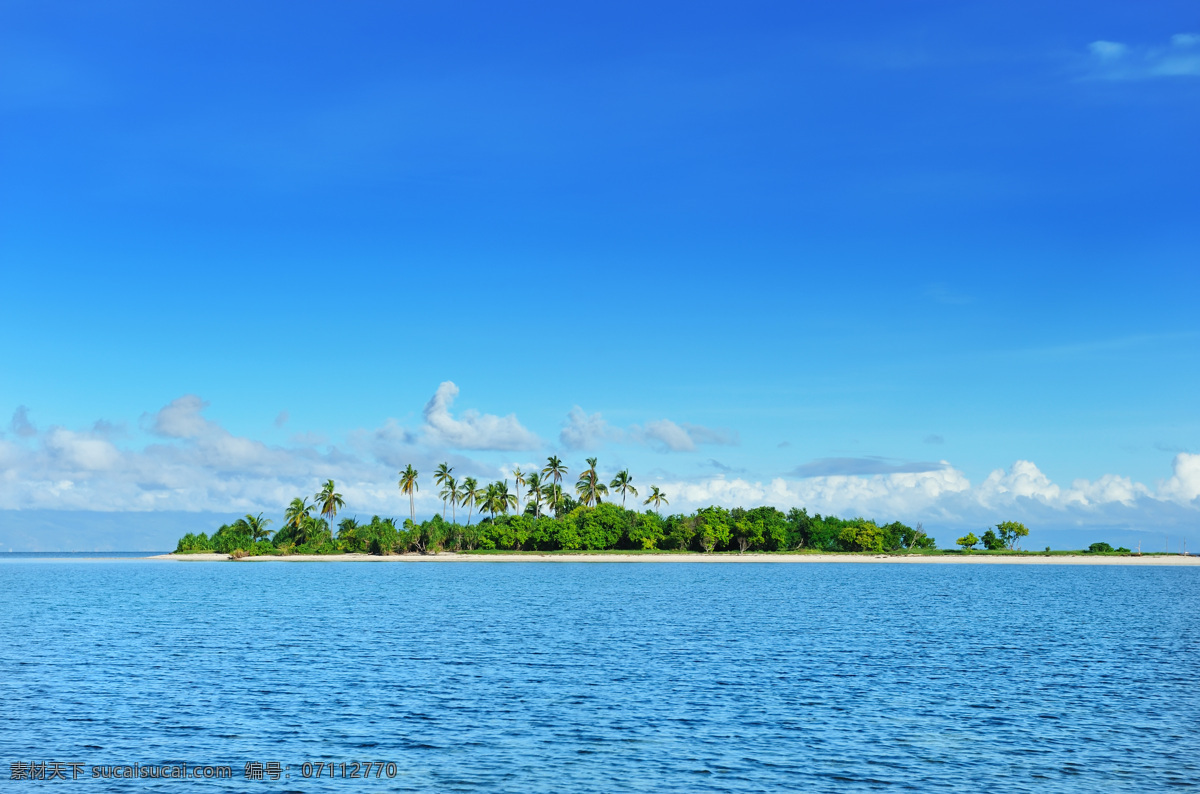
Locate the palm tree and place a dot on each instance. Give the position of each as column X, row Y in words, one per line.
column 554, row 495
column 487, row 500
column 329, row 501
column 623, row 483
column 296, row 512
column 657, row 497
column 534, row 494
column 554, row 469
column 346, row 528
column 408, row 485
column 589, row 487
column 504, row 499
column 470, row 495
column 440, row 475
column 518, row 481
column 449, row 493
column 258, row 527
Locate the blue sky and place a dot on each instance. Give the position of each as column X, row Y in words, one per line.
column 868, row 257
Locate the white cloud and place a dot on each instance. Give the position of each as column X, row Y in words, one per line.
column 81, row 451
column 195, row 464
column 1184, row 486
column 1113, row 60
column 1024, row 480
column 587, row 431
column 947, row 496
column 669, row 436
column 474, row 430
column 181, row 418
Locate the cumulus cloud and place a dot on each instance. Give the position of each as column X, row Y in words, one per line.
column 473, row 430
column 81, row 451
column 945, row 495
column 1114, row 60
column 1184, row 486
column 181, row 418
column 192, row 463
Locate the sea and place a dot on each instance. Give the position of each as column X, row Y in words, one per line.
column 597, row 677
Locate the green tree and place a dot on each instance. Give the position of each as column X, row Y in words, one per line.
column 554, row 497
column 470, row 496
column 623, row 484
column 296, row 512
column 488, row 501
column 258, row 527
column 647, row 531
column 589, row 487
column 505, row 501
column 518, row 484
column 967, row 541
column 534, row 494
column 1010, row 533
column 1100, row 548
column 991, row 541
column 409, row 485
column 347, row 534
column 329, row 501
column 555, row 470
column 656, row 498
column 441, row 475
column 713, row 526
column 450, row 494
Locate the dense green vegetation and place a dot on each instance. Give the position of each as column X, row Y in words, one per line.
column 539, row 516
column 551, row 520
column 577, row 527
column 1005, row 537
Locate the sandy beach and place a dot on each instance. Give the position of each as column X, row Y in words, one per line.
column 865, row 559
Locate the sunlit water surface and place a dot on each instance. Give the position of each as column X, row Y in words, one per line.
column 608, row 677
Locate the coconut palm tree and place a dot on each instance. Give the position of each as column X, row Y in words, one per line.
column 554, row 469
column 487, row 500
column 329, row 502
column 589, row 487
column 296, row 512
column 518, row 482
column 440, row 475
column 657, row 497
column 408, row 485
column 258, row 527
column 623, row 484
column 470, row 495
column 554, row 495
column 504, row 500
column 534, row 494
column 449, row 494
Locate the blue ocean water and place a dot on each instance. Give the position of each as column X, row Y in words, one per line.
column 607, row 677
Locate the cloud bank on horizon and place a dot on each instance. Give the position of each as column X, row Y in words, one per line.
column 191, row 463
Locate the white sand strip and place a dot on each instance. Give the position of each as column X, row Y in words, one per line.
column 906, row 559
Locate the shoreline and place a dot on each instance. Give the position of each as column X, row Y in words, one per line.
column 601, row 557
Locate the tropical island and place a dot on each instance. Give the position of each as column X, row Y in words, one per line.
column 540, row 516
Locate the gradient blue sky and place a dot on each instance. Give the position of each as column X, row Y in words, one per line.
column 842, row 247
